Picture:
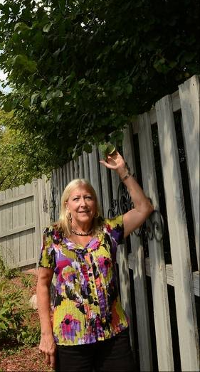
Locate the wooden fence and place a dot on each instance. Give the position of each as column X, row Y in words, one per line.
column 159, row 265
column 23, row 212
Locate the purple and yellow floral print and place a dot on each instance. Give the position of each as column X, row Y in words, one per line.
column 87, row 306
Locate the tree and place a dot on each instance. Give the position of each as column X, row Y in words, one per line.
column 20, row 155
column 80, row 70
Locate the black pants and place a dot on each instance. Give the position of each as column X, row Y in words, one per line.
column 113, row 355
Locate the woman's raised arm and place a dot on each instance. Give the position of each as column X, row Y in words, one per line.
column 142, row 205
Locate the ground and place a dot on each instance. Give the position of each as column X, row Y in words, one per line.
column 18, row 358
column 27, row 359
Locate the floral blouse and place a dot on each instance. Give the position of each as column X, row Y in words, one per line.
column 87, row 306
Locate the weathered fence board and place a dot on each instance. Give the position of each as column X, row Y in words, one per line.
column 81, row 168
column 105, row 187
column 185, row 304
column 189, row 98
column 94, row 173
column 157, row 266
column 139, row 276
column 42, row 192
column 86, row 166
column 142, row 315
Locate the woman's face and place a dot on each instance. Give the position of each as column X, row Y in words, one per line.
column 82, row 206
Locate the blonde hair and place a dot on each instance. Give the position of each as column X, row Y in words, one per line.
column 64, row 221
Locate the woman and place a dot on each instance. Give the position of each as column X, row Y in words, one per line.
column 90, row 328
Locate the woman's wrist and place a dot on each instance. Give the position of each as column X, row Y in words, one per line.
column 48, row 333
column 124, row 173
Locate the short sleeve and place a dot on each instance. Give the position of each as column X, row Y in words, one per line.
column 115, row 228
column 47, row 255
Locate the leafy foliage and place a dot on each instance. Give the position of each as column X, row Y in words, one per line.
column 20, row 154
column 80, row 70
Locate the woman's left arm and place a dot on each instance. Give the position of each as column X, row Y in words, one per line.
column 142, row 205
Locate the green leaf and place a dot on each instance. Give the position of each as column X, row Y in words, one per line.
column 44, row 104
column 82, row 81
column 34, row 98
column 21, row 61
column 60, row 81
column 129, row 88
column 31, row 66
column 87, row 147
column 26, row 103
column 47, row 27
column 56, row 53
column 21, row 26
column 7, row 106
column 58, row 94
column 107, row 149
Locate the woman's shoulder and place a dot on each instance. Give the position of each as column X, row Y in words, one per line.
column 53, row 229
column 114, row 228
column 114, row 222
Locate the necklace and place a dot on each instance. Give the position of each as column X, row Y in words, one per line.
column 81, row 234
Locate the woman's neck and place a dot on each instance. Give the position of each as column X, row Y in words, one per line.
column 80, row 240
column 81, row 230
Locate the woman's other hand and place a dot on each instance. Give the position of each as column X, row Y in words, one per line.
column 48, row 348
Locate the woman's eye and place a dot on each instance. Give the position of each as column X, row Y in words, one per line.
column 88, row 197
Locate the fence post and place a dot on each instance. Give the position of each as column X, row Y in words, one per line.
column 37, row 220
column 189, row 99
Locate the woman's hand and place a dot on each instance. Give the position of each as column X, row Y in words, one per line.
column 115, row 162
column 48, row 348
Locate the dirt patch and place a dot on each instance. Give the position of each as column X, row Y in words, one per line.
column 27, row 360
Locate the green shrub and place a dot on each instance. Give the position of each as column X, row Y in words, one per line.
column 29, row 335
column 15, row 313
column 2, row 266
column 27, row 280
column 8, row 272
column 12, row 313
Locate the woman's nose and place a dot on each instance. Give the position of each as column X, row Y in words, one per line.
column 83, row 201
